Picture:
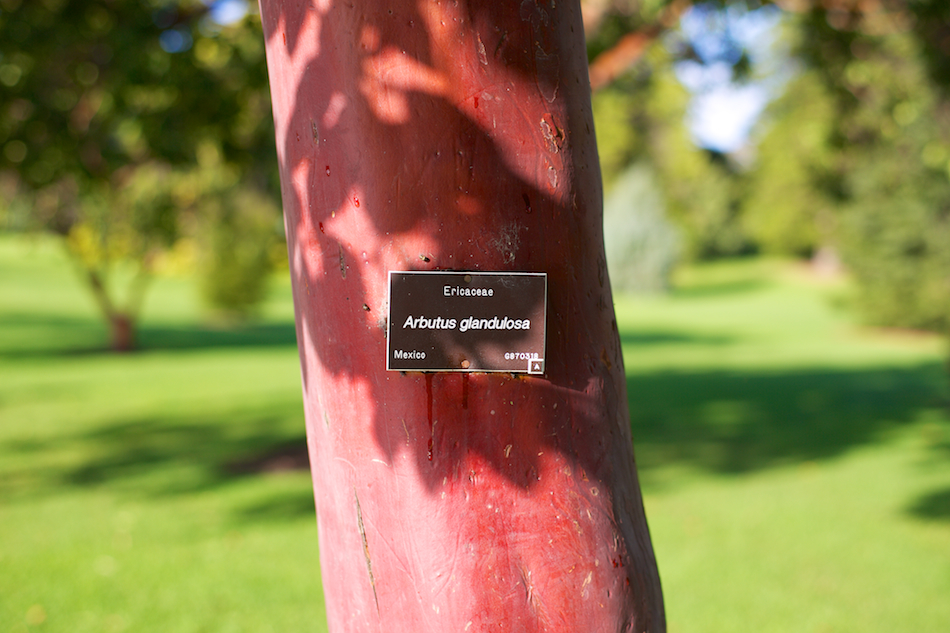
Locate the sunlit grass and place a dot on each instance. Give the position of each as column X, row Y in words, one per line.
column 796, row 467
column 126, row 503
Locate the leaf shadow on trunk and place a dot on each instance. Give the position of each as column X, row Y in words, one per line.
column 387, row 166
column 458, row 195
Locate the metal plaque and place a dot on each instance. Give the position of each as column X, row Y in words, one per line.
column 467, row 321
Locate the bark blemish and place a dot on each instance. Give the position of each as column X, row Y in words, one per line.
column 429, row 413
column 342, row 262
column 552, row 134
column 500, row 44
column 548, row 73
column 369, row 563
column 531, row 598
column 508, row 241
column 482, row 53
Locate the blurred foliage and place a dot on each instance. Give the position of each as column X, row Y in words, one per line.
column 134, row 127
column 784, row 210
column 892, row 174
column 120, row 120
column 641, row 118
column 857, row 156
column 642, row 245
column 241, row 245
column 853, row 157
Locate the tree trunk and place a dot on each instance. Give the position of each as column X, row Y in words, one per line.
column 457, row 135
column 121, row 323
column 122, row 332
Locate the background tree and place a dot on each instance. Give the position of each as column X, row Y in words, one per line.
column 641, row 130
column 119, row 121
column 785, row 210
column 124, row 123
column 857, row 156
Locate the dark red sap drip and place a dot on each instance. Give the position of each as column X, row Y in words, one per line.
column 328, row 170
column 464, row 391
column 527, row 202
column 429, row 410
column 321, row 228
column 356, row 201
column 476, row 102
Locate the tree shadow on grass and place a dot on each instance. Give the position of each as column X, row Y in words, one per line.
column 158, row 455
column 45, row 336
column 30, row 335
column 719, row 421
column 711, row 290
column 934, row 506
column 198, row 337
column 631, row 338
column 162, row 457
column 198, row 454
column 737, row 422
column 279, row 508
column 290, row 455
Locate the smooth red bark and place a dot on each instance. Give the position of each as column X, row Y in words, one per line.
column 458, row 136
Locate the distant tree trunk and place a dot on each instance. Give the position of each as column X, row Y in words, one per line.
column 121, row 323
column 122, row 333
column 456, row 136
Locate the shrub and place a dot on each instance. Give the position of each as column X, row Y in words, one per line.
column 642, row 245
column 238, row 243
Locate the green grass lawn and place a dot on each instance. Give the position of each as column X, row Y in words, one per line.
column 796, row 467
column 134, row 490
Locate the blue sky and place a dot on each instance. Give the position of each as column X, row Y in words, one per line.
column 723, row 112
column 227, row 11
